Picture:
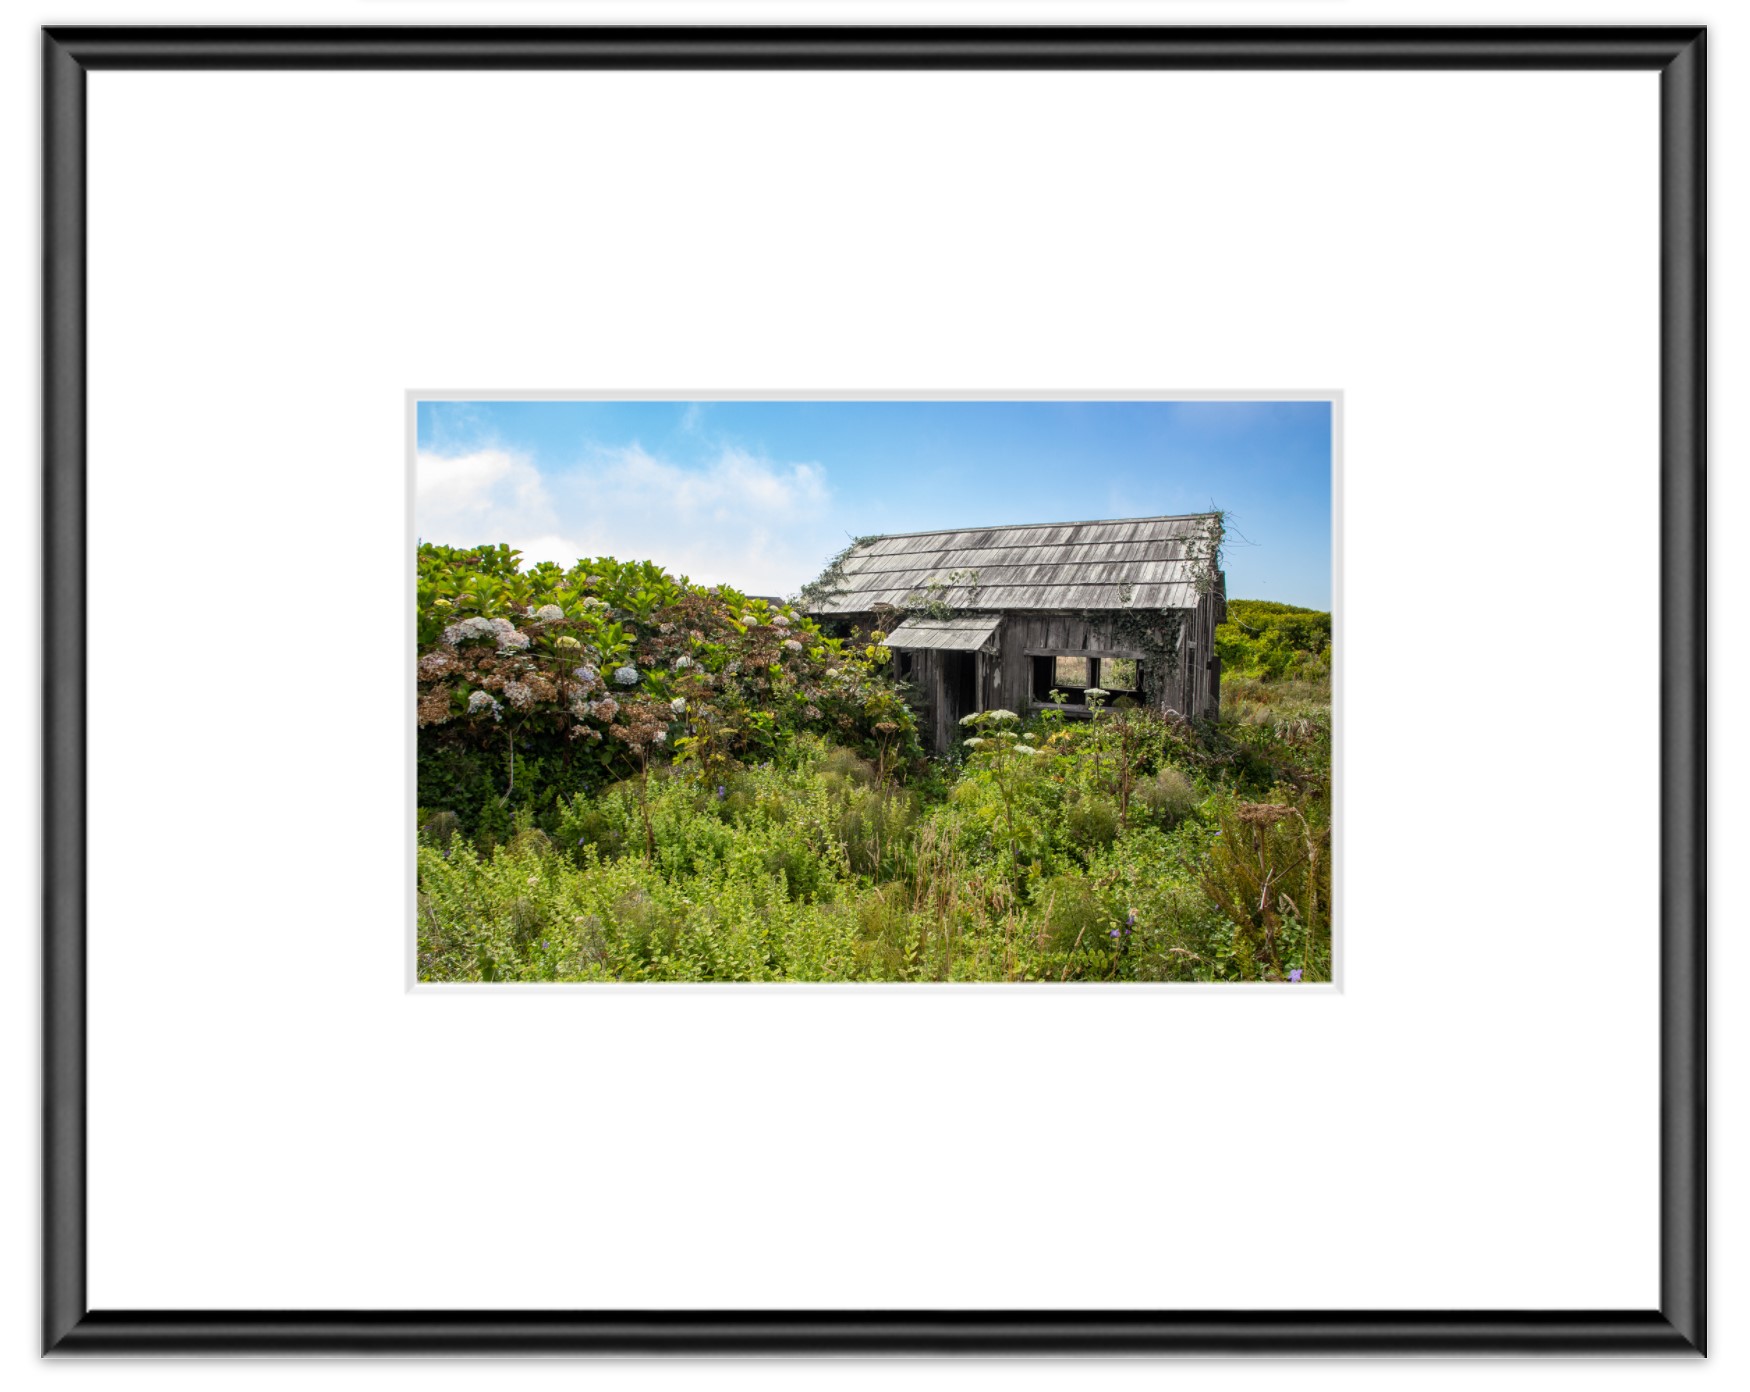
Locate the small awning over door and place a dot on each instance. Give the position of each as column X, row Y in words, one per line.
column 958, row 633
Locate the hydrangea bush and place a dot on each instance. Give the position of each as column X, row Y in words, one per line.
column 515, row 665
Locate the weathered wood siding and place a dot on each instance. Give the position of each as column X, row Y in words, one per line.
column 1004, row 680
column 1199, row 665
column 1193, row 690
column 927, row 700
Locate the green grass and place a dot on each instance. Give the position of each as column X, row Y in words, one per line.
column 1080, row 862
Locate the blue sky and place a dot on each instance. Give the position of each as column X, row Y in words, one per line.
column 761, row 494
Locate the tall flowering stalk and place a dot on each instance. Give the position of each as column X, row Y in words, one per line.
column 644, row 727
column 998, row 743
column 1117, row 715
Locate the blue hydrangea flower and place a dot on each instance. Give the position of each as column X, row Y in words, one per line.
column 626, row 676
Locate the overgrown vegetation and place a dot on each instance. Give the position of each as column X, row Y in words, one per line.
column 1264, row 639
column 626, row 777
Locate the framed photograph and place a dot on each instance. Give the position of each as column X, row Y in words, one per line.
column 792, row 752
column 874, row 691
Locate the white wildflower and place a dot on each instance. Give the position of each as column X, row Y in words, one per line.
column 1095, row 691
column 974, row 742
column 682, row 662
column 678, row 705
column 549, row 613
column 779, row 621
column 791, row 645
column 832, row 671
column 970, row 719
column 1002, row 715
column 1025, row 749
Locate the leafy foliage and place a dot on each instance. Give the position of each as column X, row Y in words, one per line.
column 548, row 683
column 1264, row 639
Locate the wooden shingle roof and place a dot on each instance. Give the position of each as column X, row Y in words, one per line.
column 1136, row 563
column 957, row 633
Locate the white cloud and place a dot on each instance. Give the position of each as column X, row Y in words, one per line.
column 737, row 518
column 481, row 496
column 760, row 525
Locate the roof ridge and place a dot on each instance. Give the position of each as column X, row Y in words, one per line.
column 1018, row 526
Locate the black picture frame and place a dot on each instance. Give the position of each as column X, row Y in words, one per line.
column 1677, row 1326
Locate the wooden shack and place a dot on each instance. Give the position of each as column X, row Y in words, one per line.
column 1001, row 617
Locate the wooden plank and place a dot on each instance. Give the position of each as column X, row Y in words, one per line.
column 1029, row 593
column 1095, row 650
column 951, row 558
column 1021, row 597
column 1024, row 534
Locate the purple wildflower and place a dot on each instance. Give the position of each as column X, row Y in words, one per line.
column 1294, row 975
column 1130, row 922
column 722, row 792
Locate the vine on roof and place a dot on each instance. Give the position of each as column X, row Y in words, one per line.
column 1203, row 553
column 832, row 582
column 930, row 601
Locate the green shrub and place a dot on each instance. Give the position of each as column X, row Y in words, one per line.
column 845, row 765
column 1269, row 871
column 1264, row 639
column 1070, row 914
column 1092, row 821
column 1169, row 796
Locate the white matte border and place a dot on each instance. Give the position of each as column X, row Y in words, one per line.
column 1471, row 1122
